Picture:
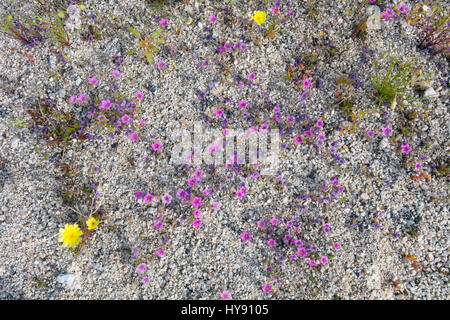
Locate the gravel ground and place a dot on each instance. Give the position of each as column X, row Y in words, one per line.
column 393, row 228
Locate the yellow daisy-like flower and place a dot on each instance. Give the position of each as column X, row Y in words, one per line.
column 70, row 235
column 92, row 223
column 259, row 17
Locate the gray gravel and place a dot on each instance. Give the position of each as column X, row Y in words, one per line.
column 380, row 199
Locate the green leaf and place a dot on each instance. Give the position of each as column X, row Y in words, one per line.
column 394, row 102
column 156, row 34
column 149, row 56
column 131, row 51
column 135, row 32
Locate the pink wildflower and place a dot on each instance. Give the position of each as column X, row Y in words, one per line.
column 246, row 236
column 141, row 268
column 160, row 252
column 197, row 223
column 161, row 65
column 163, row 22
column 197, row 202
column 139, row 95
column 267, row 288
column 225, row 295
column 418, row 166
column 134, row 137
column 148, row 198
column 156, row 146
column 116, row 73
column 93, row 81
column 212, row 19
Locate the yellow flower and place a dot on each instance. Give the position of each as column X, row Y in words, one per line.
column 70, row 235
column 259, row 17
column 92, row 223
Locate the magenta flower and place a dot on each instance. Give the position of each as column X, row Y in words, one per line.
column 403, row 9
column 139, row 95
column 312, row 263
column 197, row 213
column 166, row 198
column 370, row 133
column 158, row 224
column 319, row 123
column 160, row 252
column 197, row 223
column 219, row 112
column 239, row 194
column 197, row 202
column 100, row 117
column 271, row 242
column 216, row 206
column 148, row 198
column 198, row 173
column 225, row 131
column 134, row 137
column 337, row 245
column 138, row 195
column 225, row 295
column 301, row 252
column 125, row 119
column 298, row 139
column 264, row 128
column 274, row 221
column 141, row 268
column 93, row 81
column 105, row 104
column 156, row 146
column 242, row 104
column 387, row 14
column 82, row 98
column 116, row 73
column 145, row 280
column 306, row 83
column 324, row 260
column 418, row 166
column 246, row 236
column 308, row 133
column 191, row 181
column 73, row 99
column 163, row 22
column 386, row 131
column 181, row 194
column 406, row 149
column 240, row 85
column 251, row 76
column 161, row 65
column 261, row 224
column 212, row 19
column 267, row 288
column 243, row 190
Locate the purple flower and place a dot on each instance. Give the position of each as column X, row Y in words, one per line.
column 246, row 236
column 166, row 198
column 418, row 166
column 403, row 9
column 406, row 148
column 141, row 268
column 324, row 260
